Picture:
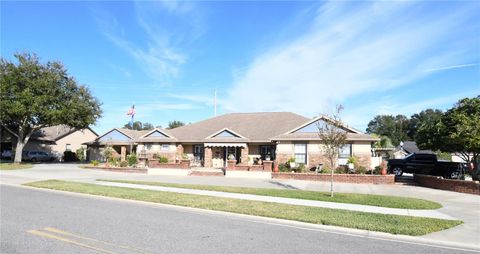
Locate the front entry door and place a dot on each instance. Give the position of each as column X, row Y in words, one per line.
column 217, row 157
column 198, row 154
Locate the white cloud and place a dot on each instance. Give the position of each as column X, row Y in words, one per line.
column 162, row 53
column 350, row 50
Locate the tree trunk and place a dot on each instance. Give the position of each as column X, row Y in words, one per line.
column 21, row 142
column 331, row 178
column 19, row 149
column 476, row 170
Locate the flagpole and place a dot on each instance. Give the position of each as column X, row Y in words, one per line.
column 215, row 103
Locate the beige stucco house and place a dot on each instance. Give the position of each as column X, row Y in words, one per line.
column 246, row 137
column 55, row 139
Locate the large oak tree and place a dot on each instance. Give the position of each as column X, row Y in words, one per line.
column 34, row 95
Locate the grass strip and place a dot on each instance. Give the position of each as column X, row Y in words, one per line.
column 350, row 198
column 394, row 224
column 14, row 166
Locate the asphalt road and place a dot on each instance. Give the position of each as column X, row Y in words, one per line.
column 35, row 221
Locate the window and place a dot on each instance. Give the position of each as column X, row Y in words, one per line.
column 301, row 153
column 165, row 147
column 68, row 147
column 345, row 151
column 148, row 147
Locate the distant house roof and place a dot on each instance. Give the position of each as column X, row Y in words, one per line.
column 411, row 147
column 54, row 133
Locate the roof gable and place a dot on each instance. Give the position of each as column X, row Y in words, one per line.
column 114, row 135
column 225, row 133
column 156, row 133
column 312, row 126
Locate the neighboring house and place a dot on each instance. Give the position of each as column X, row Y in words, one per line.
column 408, row 148
column 55, row 139
column 245, row 136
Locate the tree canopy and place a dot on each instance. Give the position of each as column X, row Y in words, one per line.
column 455, row 131
column 174, row 124
column 137, row 125
column 34, row 95
column 394, row 127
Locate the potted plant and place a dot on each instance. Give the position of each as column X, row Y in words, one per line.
column 291, row 162
column 351, row 163
column 267, row 157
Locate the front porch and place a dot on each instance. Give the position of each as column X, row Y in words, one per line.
column 231, row 156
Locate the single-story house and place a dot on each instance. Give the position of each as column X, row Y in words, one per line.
column 54, row 139
column 247, row 137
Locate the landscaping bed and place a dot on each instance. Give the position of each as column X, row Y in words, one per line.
column 342, row 178
column 350, row 198
column 394, row 224
column 119, row 169
column 155, row 163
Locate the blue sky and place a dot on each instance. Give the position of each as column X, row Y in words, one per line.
column 167, row 58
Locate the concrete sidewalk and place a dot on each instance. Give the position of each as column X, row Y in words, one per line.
column 290, row 201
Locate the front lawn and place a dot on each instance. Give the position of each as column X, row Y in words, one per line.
column 394, row 224
column 13, row 166
column 351, row 198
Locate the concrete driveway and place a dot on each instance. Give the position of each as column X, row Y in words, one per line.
column 463, row 206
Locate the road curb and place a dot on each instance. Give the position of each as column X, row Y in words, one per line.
column 281, row 222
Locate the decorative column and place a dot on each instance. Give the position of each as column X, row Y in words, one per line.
column 244, row 155
column 123, row 153
column 207, row 157
column 267, row 166
column 231, row 164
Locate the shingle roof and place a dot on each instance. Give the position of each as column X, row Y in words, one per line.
column 411, row 147
column 53, row 133
column 256, row 127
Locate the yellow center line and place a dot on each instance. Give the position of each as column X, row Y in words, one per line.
column 46, row 235
column 58, row 231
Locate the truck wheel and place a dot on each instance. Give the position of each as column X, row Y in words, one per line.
column 398, row 171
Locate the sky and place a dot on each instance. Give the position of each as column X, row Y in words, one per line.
column 168, row 57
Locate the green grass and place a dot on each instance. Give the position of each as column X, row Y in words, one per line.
column 395, row 224
column 13, row 166
column 351, row 198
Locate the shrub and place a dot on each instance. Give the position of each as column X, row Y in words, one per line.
column 113, row 161
column 80, row 153
column 283, row 168
column 377, row 170
column 291, row 160
column 361, row 170
column 163, row 159
column 300, row 168
column 343, row 169
column 95, row 163
column 132, row 159
column 352, row 160
column 69, row 156
column 123, row 164
column 326, row 170
column 108, row 153
column 184, row 156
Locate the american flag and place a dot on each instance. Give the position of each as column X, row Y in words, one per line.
column 131, row 111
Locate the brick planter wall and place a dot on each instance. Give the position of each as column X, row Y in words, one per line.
column 231, row 164
column 122, row 170
column 341, row 178
column 184, row 164
column 435, row 182
column 267, row 166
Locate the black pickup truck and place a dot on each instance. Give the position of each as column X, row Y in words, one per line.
column 426, row 164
